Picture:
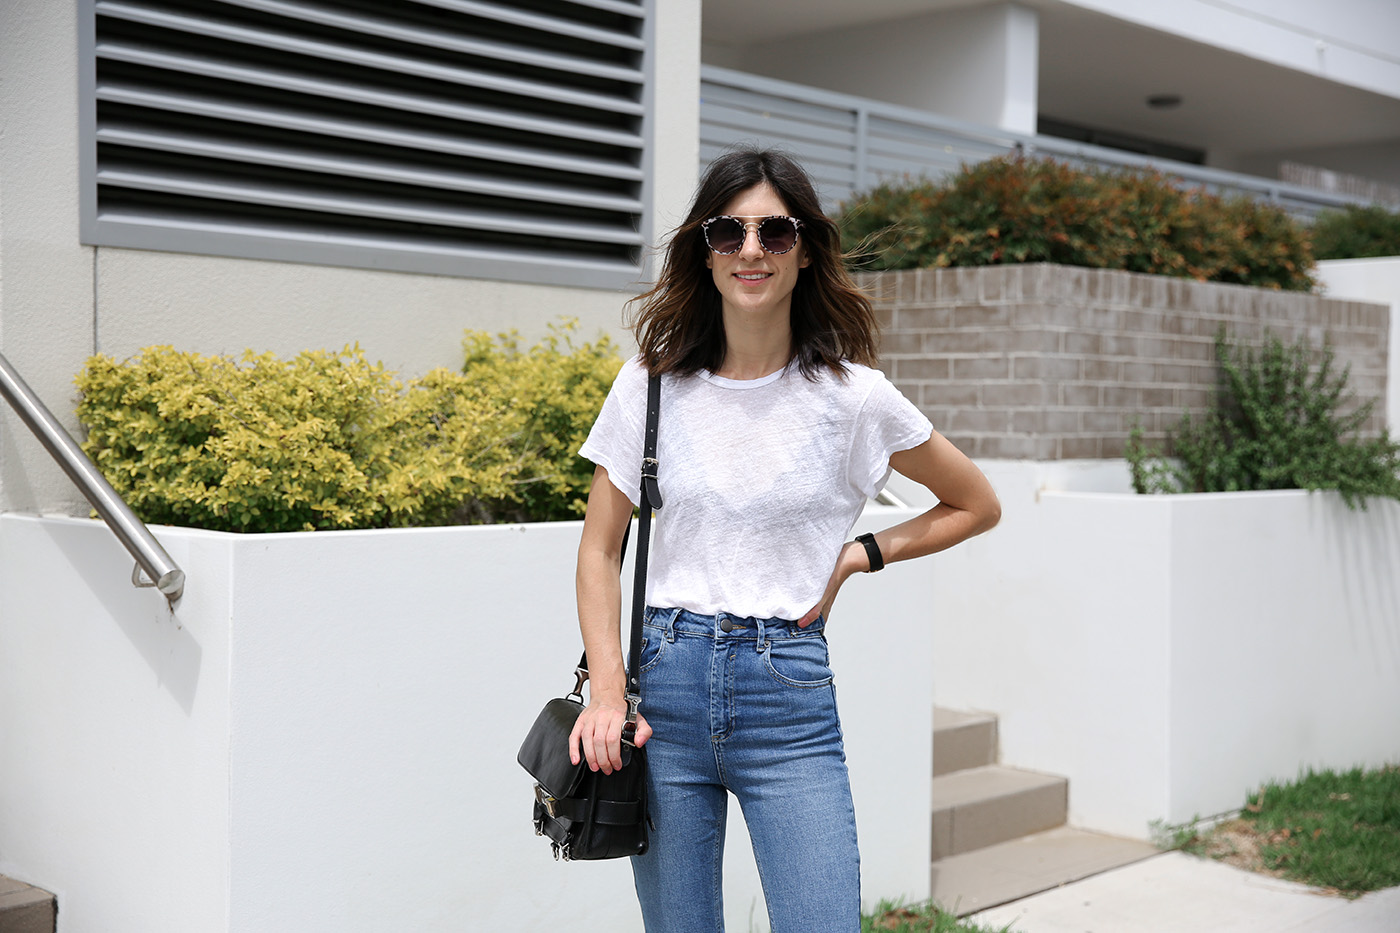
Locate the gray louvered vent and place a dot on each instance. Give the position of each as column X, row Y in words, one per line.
column 500, row 139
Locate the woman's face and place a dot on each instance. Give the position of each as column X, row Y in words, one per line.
column 754, row 281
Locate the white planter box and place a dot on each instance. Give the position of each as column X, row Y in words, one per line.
column 1169, row 653
column 322, row 734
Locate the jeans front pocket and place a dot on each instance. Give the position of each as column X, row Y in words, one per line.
column 653, row 646
column 799, row 661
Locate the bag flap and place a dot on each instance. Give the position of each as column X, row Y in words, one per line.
column 545, row 751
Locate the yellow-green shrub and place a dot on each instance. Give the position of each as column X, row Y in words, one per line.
column 553, row 392
column 330, row 440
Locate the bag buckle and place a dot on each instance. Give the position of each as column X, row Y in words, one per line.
column 629, row 728
column 543, row 798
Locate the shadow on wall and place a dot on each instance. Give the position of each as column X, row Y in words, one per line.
column 1367, row 546
column 152, row 627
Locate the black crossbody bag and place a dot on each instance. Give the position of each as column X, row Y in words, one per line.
column 588, row 814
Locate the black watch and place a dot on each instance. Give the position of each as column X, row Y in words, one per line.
column 872, row 551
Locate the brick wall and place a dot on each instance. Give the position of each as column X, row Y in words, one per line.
column 1051, row 362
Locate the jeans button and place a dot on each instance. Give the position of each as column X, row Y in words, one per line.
column 725, row 625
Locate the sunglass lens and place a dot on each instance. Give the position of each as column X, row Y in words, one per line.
column 777, row 234
column 725, row 235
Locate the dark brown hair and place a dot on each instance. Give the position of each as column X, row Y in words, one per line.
column 678, row 323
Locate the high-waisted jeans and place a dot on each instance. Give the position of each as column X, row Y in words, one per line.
column 745, row 706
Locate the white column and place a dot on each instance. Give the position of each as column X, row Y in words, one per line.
column 675, row 115
column 1020, row 62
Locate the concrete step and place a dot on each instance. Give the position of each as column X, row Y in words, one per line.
column 26, row 909
column 964, row 884
column 962, row 740
column 978, row 807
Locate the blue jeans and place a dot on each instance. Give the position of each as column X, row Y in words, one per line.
column 745, row 706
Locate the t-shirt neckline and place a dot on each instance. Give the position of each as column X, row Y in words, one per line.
column 725, row 382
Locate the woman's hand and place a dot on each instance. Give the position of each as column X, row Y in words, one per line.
column 597, row 734
column 851, row 560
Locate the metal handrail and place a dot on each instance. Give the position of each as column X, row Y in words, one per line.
column 150, row 556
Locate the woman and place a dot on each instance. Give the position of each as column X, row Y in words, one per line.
column 775, row 429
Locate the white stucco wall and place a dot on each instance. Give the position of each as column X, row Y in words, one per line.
column 306, row 742
column 1169, row 653
column 1285, row 641
column 46, row 320
column 114, row 772
column 322, row 735
column 63, row 301
column 1355, row 43
column 1058, row 623
column 214, row 304
column 976, row 64
column 1375, row 280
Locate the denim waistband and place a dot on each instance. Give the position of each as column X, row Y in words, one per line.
column 727, row 625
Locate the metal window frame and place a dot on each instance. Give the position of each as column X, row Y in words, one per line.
column 333, row 247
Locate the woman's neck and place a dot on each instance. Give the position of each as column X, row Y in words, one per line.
column 753, row 348
column 749, row 360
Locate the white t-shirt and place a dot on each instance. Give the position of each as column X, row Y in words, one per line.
column 761, row 479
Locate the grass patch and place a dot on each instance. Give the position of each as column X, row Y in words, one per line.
column 1336, row 831
column 892, row 917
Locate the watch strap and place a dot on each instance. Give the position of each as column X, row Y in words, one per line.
column 872, row 551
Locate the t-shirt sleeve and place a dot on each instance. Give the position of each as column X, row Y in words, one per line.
column 888, row 422
column 615, row 441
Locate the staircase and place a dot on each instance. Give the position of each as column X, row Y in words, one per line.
column 999, row 833
column 26, row 909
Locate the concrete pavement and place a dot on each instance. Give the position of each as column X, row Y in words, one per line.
column 1178, row 893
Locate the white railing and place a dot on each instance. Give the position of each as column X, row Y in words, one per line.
column 850, row 144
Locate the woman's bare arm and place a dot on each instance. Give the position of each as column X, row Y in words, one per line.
column 967, row 506
column 597, row 735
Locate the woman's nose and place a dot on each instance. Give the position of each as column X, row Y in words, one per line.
column 752, row 250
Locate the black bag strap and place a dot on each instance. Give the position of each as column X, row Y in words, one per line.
column 650, row 500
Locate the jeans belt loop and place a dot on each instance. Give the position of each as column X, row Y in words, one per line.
column 760, row 644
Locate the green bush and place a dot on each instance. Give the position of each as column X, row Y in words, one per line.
column 1356, row 233
column 330, row 440
column 555, row 390
column 1016, row 210
column 1277, row 423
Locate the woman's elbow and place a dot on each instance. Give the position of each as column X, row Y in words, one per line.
column 988, row 514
